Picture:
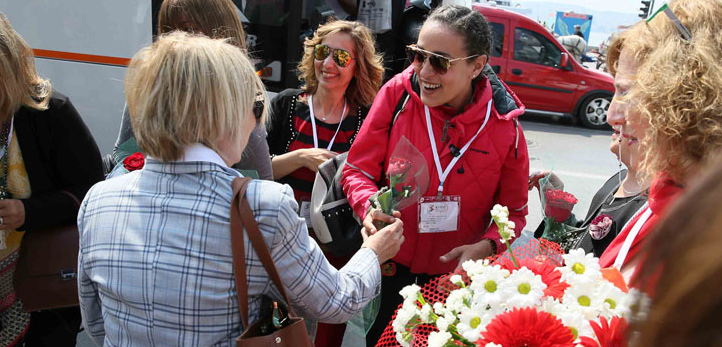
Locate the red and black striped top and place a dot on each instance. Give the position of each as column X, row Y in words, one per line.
column 291, row 129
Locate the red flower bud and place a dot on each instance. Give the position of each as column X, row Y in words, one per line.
column 134, row 161
column 559, row 204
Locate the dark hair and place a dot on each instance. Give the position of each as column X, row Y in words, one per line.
column 217, row 19
column 471, row 25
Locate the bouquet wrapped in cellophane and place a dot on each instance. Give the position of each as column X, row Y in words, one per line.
column 560, row 225
column 408, row 179
column 532, row 295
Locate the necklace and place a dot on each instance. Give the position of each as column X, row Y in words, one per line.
column 5, row 140
column 310, row 106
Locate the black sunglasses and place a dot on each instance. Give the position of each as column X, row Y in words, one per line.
column 440, row 63
column 341, row 57
column 258, row 106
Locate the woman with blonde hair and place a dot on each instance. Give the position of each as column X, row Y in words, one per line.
column 48, row 160
column 669, row 101
column 216, row 19
column 156, row 265
column 342, row 73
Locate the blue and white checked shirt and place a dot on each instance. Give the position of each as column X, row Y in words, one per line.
column 156, row 269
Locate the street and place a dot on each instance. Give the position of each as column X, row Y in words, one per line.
column 579, row 156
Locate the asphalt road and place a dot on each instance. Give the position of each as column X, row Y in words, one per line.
column 579, row 156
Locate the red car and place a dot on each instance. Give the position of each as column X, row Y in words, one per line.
column 542, row 72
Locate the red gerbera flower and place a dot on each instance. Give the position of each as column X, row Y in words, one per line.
column 546, row 269
column 609, row 334
column 527, row 327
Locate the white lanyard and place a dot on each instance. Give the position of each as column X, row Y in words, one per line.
column 6, row 146
column 627, row 245
column 313, row 123
column 444, row 173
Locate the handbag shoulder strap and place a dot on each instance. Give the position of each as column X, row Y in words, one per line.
column 242, row 217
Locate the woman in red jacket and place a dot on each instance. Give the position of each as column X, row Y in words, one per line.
column 473, row 145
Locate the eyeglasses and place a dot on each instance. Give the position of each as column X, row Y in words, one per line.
column 686, row 34
column 341, row 57
column 439, row 62
column 258, row 106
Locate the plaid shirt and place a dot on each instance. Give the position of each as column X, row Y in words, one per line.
column 155, row 264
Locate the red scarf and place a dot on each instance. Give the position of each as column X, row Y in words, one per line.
column 662, row 192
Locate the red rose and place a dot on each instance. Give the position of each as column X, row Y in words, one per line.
column 559, row 204
column 398, row 166
column 134, row 161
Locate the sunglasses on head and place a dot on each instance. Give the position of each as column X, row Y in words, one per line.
column 683, row 31
column 440, row 63
column 341, row 57
column 258, row 106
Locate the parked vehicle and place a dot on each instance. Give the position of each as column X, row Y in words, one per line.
column 84, row 48
column 542, row 73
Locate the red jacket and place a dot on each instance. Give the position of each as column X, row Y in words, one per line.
column 494, row 170
column 662, row 192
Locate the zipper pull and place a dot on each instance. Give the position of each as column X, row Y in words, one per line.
column 444, row 131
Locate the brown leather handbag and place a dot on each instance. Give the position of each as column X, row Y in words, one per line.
column 46, row 272
column 293, row 331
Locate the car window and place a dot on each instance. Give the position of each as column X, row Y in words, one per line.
column 532, row 47
column 497, row 32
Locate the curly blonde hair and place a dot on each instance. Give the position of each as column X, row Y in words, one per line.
column 677, row 89
column 20, row 84
column 369, row 65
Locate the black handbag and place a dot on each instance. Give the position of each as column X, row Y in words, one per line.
column 334, row 222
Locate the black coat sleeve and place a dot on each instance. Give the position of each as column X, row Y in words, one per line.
column 278, row 128
column 60, row 156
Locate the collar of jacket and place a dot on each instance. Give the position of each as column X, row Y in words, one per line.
column 185, row 167
column 507, row 105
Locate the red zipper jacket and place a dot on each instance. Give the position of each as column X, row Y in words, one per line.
column 494, row 170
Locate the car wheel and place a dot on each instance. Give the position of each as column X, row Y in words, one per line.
column 593, row 112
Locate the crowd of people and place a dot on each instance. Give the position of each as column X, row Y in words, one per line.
column 156, row 266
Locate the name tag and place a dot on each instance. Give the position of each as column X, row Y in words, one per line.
column 439, row 215
column 305, row 212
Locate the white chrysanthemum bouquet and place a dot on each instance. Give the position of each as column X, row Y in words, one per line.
column 524, row 298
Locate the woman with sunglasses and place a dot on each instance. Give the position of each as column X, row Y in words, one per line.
column 474, row 148
column 218, row 19
column 342, row 73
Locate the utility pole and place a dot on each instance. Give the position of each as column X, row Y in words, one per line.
column 646, row 8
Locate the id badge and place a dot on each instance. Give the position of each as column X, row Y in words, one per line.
column 439, row 215
column 305, row 212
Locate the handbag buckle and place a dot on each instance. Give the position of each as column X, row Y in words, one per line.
column 67, row 275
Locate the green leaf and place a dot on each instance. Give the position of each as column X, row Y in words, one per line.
column 386, row 201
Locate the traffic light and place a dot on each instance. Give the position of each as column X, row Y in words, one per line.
column 644, row 9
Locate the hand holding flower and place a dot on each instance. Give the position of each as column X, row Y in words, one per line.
column 374, row 214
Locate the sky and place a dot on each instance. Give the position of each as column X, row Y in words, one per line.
column 626, row 6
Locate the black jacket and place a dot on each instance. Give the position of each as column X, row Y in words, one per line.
column 60, row 155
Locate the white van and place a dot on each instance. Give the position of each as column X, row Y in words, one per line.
column 84, row 47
